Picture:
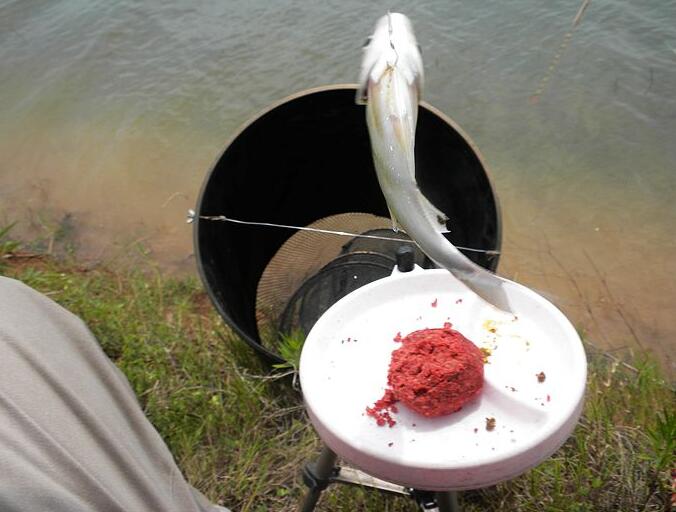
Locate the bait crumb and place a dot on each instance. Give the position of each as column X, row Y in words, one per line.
column 549, row 398
column 486, row 353
column 434, row 303
column 476, row 430
column 490, row 424
column 459, row 301
column 382, row 408
column 398, row 338
column 541, row 376
column 390, row 444
column 490, row 326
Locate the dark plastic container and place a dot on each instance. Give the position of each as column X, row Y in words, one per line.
column 306, row 158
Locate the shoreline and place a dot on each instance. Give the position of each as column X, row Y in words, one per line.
column 617, row 313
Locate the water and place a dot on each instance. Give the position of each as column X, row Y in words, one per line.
column 112, row 112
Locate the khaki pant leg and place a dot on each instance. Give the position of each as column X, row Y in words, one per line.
column 72, row 434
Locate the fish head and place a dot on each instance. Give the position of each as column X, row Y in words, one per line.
column 392, row 45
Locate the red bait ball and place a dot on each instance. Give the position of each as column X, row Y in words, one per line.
column 434, row 372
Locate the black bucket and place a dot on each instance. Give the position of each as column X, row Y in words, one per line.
column 306, row 159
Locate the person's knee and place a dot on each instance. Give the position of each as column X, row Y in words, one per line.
column 26, row 314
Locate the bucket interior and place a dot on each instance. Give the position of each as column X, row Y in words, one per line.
column 306, row 159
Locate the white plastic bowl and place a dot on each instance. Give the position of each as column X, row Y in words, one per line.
column 344, row 363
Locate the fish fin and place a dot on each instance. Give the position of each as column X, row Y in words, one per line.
column 396, row 227
column 362, row 96
column 418, row 86
column 437, row 218
column 365, row 81
column 434, row 215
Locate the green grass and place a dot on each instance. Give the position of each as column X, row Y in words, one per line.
column 239, row 432
column 8, row 246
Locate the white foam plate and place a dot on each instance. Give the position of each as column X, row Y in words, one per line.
column 344, row 364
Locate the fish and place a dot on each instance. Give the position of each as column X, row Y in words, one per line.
column 390, row 85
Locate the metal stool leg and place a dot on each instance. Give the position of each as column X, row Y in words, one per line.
column 448, row 501
column 320, row 474
column 317, row 477
column 430, row 501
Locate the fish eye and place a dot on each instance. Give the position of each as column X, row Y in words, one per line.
column 367, row 42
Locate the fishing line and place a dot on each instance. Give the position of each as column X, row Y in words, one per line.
column 390, row 30
column 222, row 218
column 535, row 97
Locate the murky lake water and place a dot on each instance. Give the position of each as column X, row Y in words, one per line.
column 114, row 111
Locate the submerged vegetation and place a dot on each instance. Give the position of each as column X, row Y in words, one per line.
column 239, row 432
